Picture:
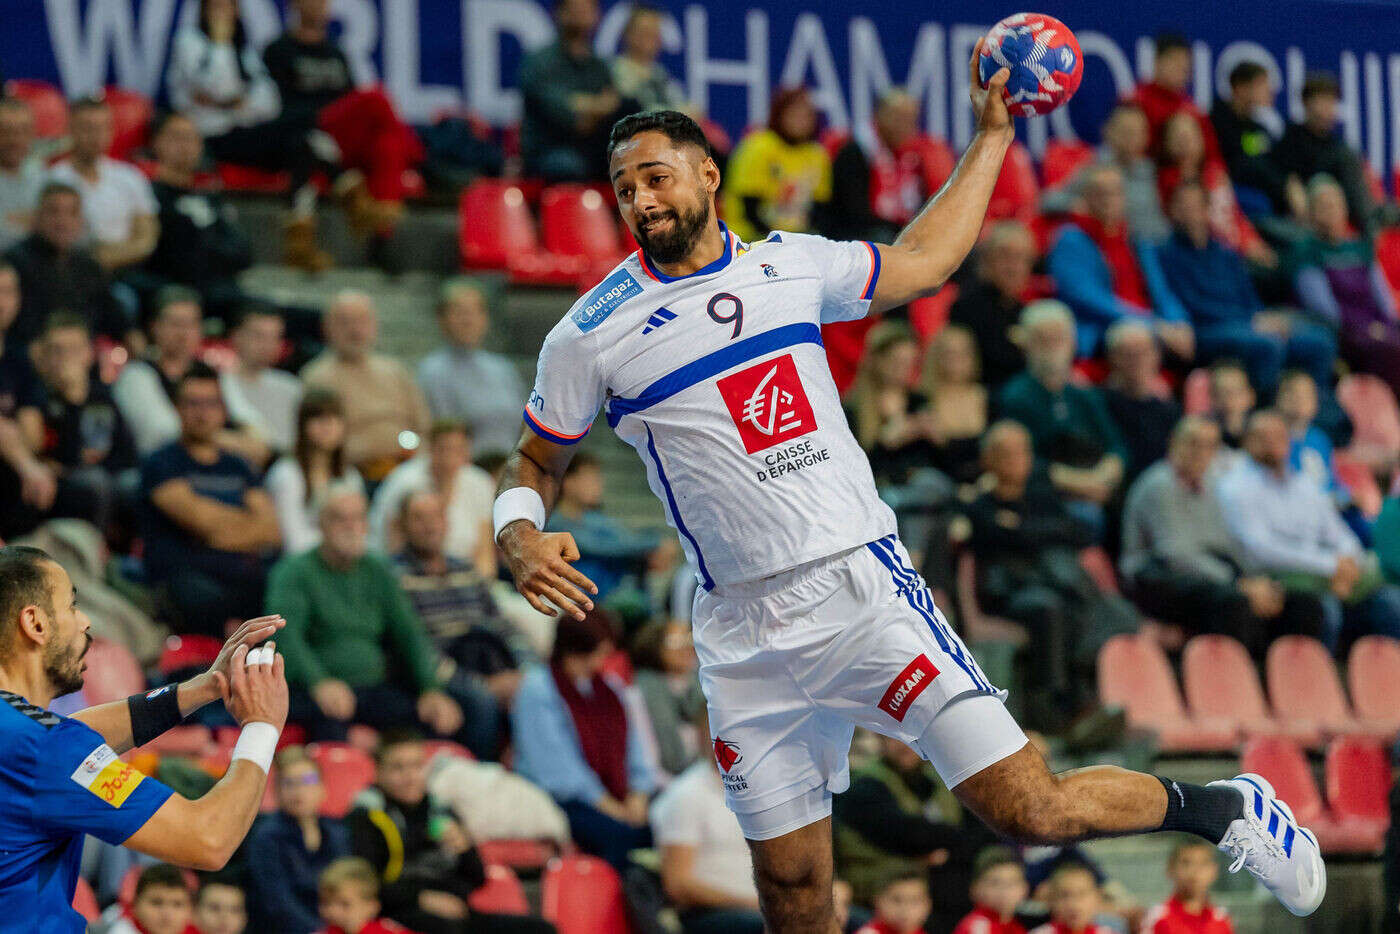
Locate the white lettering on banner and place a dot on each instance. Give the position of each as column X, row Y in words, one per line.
column 1375, row 110
column 870, row 74
column 962, row 38
column 403, row 68
column 359, row 35
column 1395, row 113
column 607, row 42
column 1349, row 107
column 490, row 92
column 83, row 49
column 752, row 72
column 810, row 48
column 1245, row 51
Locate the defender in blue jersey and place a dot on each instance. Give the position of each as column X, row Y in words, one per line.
column 705, row 353
column 62, row 778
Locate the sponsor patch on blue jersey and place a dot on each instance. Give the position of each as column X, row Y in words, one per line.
column 611, row 292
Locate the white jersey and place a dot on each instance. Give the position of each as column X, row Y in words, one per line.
column 720, row 382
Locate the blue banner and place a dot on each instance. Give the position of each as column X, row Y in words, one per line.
column 441, row 55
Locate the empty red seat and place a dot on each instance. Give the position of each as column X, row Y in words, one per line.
column 112, row 673
column 85, row 901
column 345, row 771
column 1281, row 761
column 576, row 220
column 1373, row 677
column 1133, row 672
column 1220, row 680
column 188, row 651
column 583, row 895
column 517, row 854
column 1062, row 159
column 1305, row 690
column 187, row 739
column 1374, row 414
column 131, row 118
column 1016, row 191
column 500, row 894
column 46, row 104
column 1358, row 778
column 496, row 231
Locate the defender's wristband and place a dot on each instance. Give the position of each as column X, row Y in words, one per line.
column 257, row 743
column 153, row 713
column 519, row 502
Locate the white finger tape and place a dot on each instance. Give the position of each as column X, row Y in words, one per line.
column 262, row 655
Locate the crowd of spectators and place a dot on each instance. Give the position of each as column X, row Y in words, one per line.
column 1041, row 429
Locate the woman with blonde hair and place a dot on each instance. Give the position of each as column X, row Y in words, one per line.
column 957, row 402
column 888, row 417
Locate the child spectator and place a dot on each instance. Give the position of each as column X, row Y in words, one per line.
column 1193, row 869
column 349, row 892
column 901, row 906
column 162, row 904
column 998, row 886
column 1074, row 901
column 220, row 908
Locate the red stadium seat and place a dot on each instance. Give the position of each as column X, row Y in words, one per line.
column 1062, row 160
column 1135, row 674
column 436, row 747
column 85, row 901
column 1361, row 484
column 112, row 673
column 345, row 770
column 188, row 651
column 844, row 342
column 978, row 626
column 1304, row 688
column 45, row 102
column 1388, row 255
column 576, row 220
column 1373, row 676
column 131, row 119
column 832, row 139
column 1016, row 190
column 254, row 180
column 188, row 739
column 517, row 854
column 497, row 232
column 1375, row 419
column 1281, row 761
column 1221, row 681
column 1357, row 776
column 500, row 894
column 583, row 895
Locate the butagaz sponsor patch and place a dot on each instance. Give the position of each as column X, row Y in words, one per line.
column 611, row 292
column 108, row 777
column 907, row 686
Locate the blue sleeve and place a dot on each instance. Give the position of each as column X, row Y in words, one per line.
column 156, row 468
column 546, row 746
column 80, row 786
column 1076, row 266
column 1165, row 304
column 270, row 883
column 640, row 776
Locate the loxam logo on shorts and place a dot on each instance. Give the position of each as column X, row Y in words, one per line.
column 611, row 292
column 907, row 686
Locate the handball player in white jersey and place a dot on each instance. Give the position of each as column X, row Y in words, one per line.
column 705, row 355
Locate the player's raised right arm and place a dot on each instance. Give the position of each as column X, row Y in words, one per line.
column 204, row 833
column 539, row 561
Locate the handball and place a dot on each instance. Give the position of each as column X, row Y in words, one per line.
column 1044, row 58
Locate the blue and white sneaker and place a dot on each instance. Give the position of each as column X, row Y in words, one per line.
column 1269, row 843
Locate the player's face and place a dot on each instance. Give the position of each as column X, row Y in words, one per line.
column 1074, row 899
column 163, row 909
column 1194, row 871
column 347, row 908
column 665, row 193
column 220, row 910
column 68, row 644
column 1001, row 889
column 904, row 905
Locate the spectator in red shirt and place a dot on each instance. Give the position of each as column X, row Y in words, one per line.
column 998, row 886
column 1193, row 868
column 1184, row 159
column 1167, row 92
column 350, row 900
column 1074, row 901
column 902, row 905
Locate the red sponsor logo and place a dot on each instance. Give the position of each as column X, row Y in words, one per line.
column 907, row 686
column 767, row 403
column 726, row 754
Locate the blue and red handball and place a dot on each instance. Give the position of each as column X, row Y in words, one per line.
column 1044, row 58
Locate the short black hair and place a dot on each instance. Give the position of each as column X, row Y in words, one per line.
column 55, row 187
column 163, row 120
column 199, row 370
column 23, row 582
column 168, row 295
column 677, row 126
column 1320, row 82
column 397, row 736
column 582, row 460
column 1246, row 72
column 994, row 857
column 1170, row 41
column 160, row 875
column 62, row 320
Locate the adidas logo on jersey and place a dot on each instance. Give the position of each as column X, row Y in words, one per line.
column 658, row 318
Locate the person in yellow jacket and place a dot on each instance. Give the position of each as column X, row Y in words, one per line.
column 778, row 175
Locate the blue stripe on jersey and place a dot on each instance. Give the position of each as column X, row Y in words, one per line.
column 549, row 434
column 908, row 582
column 870, row 284
column 707, row 581
column 716, row 266
column 713, row 364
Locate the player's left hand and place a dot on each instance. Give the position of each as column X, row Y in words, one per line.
column 989, row 103
column 440, row 712
column 251, row 633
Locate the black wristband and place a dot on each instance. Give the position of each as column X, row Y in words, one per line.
column 153, row 713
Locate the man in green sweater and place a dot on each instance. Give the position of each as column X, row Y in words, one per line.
column 355, row 651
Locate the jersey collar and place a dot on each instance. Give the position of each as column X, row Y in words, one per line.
column 724, row 260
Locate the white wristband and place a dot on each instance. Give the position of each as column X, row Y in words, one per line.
column 257, row 743
column 519, row 502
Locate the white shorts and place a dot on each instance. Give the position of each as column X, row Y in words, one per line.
column 791, row 664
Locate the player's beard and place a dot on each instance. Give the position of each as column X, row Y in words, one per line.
column 686, row 229
column 63, row 665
